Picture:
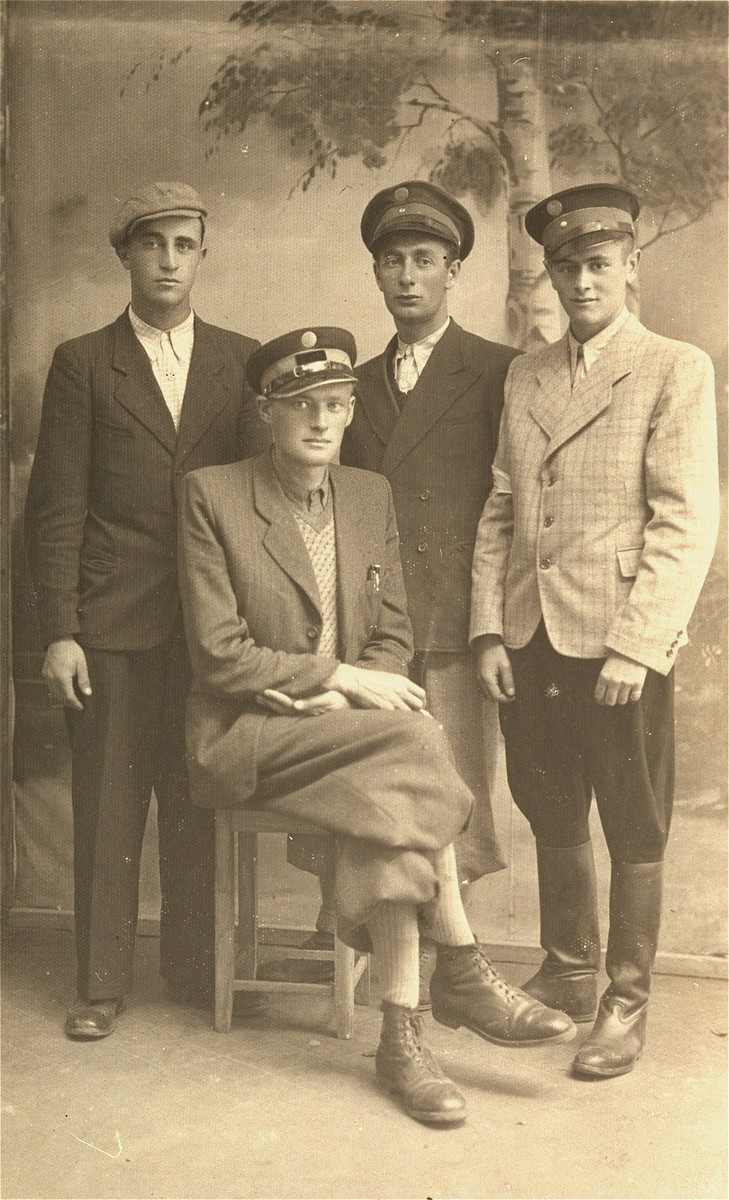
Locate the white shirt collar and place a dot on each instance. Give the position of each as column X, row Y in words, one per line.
column 181, row 337
column 423, row 349
column 594, row 346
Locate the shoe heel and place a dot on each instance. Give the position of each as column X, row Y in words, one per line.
column 443, row 1017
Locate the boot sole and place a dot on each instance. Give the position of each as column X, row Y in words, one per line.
column 524, row 1044
column 428, row 1118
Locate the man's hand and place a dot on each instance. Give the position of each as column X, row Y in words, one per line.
column 311, row 706
column 376, row 689
column 620, row 680
column 493, row 669
column 66, row 673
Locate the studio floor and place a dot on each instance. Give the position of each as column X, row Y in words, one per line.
column 278, row 1107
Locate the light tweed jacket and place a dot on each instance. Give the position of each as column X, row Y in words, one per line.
column 604, row 512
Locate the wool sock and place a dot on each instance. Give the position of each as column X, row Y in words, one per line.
column 395, row 941
column 450, row 926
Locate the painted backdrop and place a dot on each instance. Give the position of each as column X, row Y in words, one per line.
column 104, row 96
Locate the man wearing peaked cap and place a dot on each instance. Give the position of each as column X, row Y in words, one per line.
column 295, row 613
column 427, row 417
column 591, row 553
column 302, row 361
column 127, row 410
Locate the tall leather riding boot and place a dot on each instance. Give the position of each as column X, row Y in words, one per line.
column 616, row 1041
column 407, row 1068
column 570, row 932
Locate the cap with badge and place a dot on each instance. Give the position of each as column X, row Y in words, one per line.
column 301, row 360
column 155, row 200
column 418, row 207
column 596, row 212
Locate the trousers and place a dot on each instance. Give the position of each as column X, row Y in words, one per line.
column 129, row 740
column 562, row 748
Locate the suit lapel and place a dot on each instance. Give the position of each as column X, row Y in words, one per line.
column 135, row 386
column 283, row 540
column 445, row 378
column 378, row 401
column 206, row 392
column 353, row 533
column 563, row 412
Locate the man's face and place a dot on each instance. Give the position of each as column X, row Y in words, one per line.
column 162, row 256
column 308, row 429
column 591, row 284
column 414, row 274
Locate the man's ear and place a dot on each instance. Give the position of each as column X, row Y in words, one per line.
column 123, row 256
column 351, row 409
column 376, row 271
column 453, row 272
column 264, row 409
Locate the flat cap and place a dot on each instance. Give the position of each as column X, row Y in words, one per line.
column 155, row 200
column 302, row 360
column 599, row 212
column 419, row 207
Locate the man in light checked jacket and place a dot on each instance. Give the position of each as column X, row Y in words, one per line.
column 590, row 556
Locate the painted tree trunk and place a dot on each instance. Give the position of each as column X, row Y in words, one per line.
column 532, row 308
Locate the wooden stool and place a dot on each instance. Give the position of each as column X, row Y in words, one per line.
column 236, row 967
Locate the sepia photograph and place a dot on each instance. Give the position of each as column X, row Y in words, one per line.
column 363, row 599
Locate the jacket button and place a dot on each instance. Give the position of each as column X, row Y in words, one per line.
column 312, row 634
column 422, row 547
column 545, row 563
column 551, row 480
column 425, row 495
column 548, row 521
column 669, row 653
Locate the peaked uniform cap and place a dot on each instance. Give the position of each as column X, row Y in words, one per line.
column 155, row 200
column 598, row 212
column 418, row 207
column 302, row 360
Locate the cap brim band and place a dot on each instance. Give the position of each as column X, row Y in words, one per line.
column 416, row 216
column 608, row 223
column 289, row 376
column 198, row 213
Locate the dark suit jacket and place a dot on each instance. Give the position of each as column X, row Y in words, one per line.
column 252, row 608
column 101, row 509
column 437, row 455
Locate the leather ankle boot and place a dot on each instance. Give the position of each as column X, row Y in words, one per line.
column 617, row 1039
column 405, row 1067
column 466, row 990
column 570, row 932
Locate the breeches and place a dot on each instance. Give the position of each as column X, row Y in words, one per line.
column 471, row 725
column 384, row 783
column 128, row 740
column 561, row 747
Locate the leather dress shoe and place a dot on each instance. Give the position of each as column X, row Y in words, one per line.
column 466, row 990
column 90, row 1019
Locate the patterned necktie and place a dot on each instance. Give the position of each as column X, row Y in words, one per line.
column 580, row 366
column 169, row 366
column 407, row 371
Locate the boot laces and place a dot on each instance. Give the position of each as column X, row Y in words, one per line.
column 507, row 991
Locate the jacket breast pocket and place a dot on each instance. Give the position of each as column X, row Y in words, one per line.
column 629, row 561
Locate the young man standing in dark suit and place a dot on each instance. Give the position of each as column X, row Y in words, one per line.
column 127, row 411
column 427, row 417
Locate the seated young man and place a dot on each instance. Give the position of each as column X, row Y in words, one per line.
column 299, row 638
